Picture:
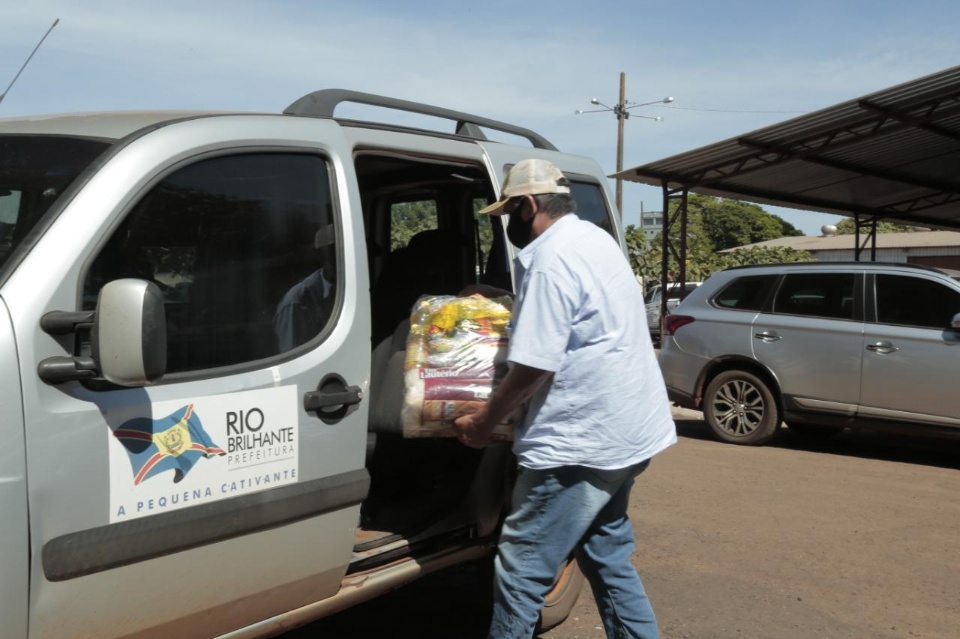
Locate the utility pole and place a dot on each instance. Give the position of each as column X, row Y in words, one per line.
column 622, row 114
column 622, row 111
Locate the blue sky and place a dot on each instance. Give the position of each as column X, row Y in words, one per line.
column 532, row 64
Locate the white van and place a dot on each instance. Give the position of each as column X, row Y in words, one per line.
column 181, row 457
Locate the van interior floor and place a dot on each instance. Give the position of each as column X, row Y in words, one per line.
column 414, row 483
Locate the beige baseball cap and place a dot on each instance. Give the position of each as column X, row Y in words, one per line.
column 529, row 177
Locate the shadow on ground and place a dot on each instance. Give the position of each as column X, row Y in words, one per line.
column 895, row 447
column 451, row 603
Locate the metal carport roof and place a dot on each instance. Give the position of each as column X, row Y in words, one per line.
column 893, row 154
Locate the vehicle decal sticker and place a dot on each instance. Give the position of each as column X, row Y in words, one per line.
column 154, row 445
column 187, row 453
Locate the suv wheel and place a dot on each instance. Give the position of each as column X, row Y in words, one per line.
column 740, row 408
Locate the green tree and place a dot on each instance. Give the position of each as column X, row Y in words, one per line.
column 730, row 223
column 704, row 214
column 847, row 226
column 644, row 258
column 764, row 255
column 409, row 218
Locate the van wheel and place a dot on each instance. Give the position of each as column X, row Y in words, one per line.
column 740, row 408
column 562, row 597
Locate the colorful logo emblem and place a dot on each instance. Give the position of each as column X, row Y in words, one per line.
column 174, row 442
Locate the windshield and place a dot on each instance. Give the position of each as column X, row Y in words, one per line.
column 34, row 173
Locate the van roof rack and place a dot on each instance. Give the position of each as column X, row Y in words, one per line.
column 322, row 103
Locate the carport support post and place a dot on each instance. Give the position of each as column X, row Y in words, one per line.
column 668, row 246
column 859, row 223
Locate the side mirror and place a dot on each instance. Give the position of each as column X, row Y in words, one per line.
column 129, row 336
column 955, row 322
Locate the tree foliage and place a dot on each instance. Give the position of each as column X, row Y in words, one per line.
column 765, row 255
column 409, row 218
column 713, row 225
column 729, row 223
column 847, row 226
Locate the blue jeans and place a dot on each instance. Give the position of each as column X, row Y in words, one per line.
column 556, row 512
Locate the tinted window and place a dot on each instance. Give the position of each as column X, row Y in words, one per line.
column 817, row 295
column 34, row 172
column 746, row 293
column 243, row 249
column 914, row 301
column 591, row 205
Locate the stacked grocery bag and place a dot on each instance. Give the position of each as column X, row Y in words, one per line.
column 456, row 354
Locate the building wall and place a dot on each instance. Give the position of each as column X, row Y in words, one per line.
column 938, row 261
column 939, row 256
column 652, row 223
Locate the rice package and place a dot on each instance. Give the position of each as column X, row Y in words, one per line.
column 456, row 354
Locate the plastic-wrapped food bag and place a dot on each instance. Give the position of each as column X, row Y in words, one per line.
column 456, row 354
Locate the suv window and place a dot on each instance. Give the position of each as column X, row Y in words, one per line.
column 915, row 301
column 817, row 295
column 746, row 293
column 244, row 250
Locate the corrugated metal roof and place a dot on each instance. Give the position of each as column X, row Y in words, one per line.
column 884, row 240
column 892, row 154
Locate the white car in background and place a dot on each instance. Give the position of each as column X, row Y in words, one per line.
column 652, row 301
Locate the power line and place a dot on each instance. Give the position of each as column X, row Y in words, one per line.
column 728, row 110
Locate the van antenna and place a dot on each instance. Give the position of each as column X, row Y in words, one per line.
column 4, row 94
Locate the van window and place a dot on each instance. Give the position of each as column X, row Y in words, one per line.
column 244, row 250
column 409, row 218
column 827, row 295
column 915, row 301
column 591, row 205
column 35, row 170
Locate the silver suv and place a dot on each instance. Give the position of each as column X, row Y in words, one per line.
column 820, row 346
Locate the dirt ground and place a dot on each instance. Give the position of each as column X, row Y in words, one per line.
column 857, row 537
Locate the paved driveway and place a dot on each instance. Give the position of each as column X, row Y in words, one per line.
column 857, row 537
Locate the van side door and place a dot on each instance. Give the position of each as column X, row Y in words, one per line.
column 588, row 186
column 213, row 499
column 14, row 545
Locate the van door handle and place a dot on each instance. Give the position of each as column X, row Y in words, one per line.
column 315, row 400
column 333, row 399
column 882, row 347
column 768, row 336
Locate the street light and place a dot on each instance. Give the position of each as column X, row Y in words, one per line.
column 622, row 111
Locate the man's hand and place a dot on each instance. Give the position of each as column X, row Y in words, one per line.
column 475, row 427
column 472, row 429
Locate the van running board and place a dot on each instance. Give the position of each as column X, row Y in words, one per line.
column 395, row 547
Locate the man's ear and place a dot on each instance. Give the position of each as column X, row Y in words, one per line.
column 534, row 205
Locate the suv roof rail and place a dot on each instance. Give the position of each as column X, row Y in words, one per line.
column 322, row 103
column 908, row 265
